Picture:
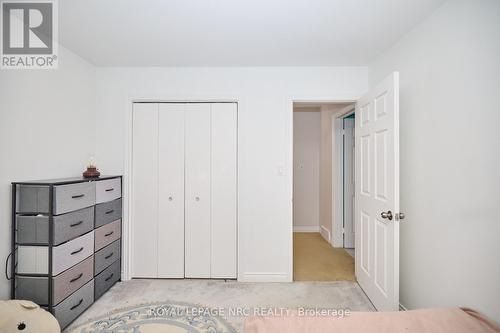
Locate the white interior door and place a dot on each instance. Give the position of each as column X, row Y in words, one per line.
column 171, row 190
column 197, row 191
column 348, row 182
column 223, row 231
column 377, row 194
column 144, row 192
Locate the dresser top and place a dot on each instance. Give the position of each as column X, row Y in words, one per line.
column 63, row 181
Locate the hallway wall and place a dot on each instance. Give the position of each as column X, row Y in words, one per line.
column 306, row 147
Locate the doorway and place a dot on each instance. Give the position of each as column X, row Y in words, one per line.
column 314, row 256
column 376, row 207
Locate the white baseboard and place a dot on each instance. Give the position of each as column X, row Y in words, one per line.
column 264, row 277
column 305, row 228
column 325, row 233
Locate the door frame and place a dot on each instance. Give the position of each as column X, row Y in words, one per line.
column 127, row 193
column 338, row 175
column 287, row 171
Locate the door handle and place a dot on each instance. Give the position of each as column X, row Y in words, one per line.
column 76, row 224
column 76, row 305
column 197, row 198
column 400, row 216
column 387, row 215
column 77, row 251
column 77, row 278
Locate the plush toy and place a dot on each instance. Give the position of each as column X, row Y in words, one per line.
column 26, row 317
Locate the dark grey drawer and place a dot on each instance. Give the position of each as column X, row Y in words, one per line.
column 108, row 212
column 106, row 279
column 34, row 229
column 67, row 198
column 36, row 288
column 67, row 311
column 106, row 256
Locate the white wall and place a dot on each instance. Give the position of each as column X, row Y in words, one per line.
column 264, row 139
column 47, row 130
column 450, row 157
column 306, row 146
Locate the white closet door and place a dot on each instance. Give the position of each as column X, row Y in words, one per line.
column 171, row 191
column 197, row 191
column 144, row 193
column 223, row 231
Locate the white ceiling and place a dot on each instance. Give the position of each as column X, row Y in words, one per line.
column 236, row 32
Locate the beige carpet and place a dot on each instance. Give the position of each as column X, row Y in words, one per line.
column 227, row 295
column 316, row 260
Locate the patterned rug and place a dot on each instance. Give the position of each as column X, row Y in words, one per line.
column 164, row 317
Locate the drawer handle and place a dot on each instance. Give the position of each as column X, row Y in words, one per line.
column 109, row 255
column 109, row 234
column 109, row 189
column 75, row 224
column 110, row 211
column 77, row 305
column 78, row 196
column 109, row 277
column 77, row 251
column 76, row 279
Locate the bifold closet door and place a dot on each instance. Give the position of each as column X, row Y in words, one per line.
column 197, row 191
column 184, row 192
column 171, row 190
column 144, row 193
column 224, row 202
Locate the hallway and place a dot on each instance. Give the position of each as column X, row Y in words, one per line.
column 316, row 260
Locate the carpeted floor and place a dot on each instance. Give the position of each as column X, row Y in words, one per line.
column 316, row 260
column 230, row 294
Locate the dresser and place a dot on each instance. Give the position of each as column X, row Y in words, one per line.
column 66, row 242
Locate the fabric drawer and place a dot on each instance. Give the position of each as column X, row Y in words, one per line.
column 32, row 199
column 107, row 234
column 67, row 311
column 106, row 279
column 72, row 252
column 73, row 197
column 106, row 256
column 36, row 288
column 108, row 212
column 35, row 259
column 35, row 198
column 72, row 279
column 108, row 190
column 32, row 259
column 35, row 229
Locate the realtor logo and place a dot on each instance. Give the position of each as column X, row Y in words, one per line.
column 29, row 34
